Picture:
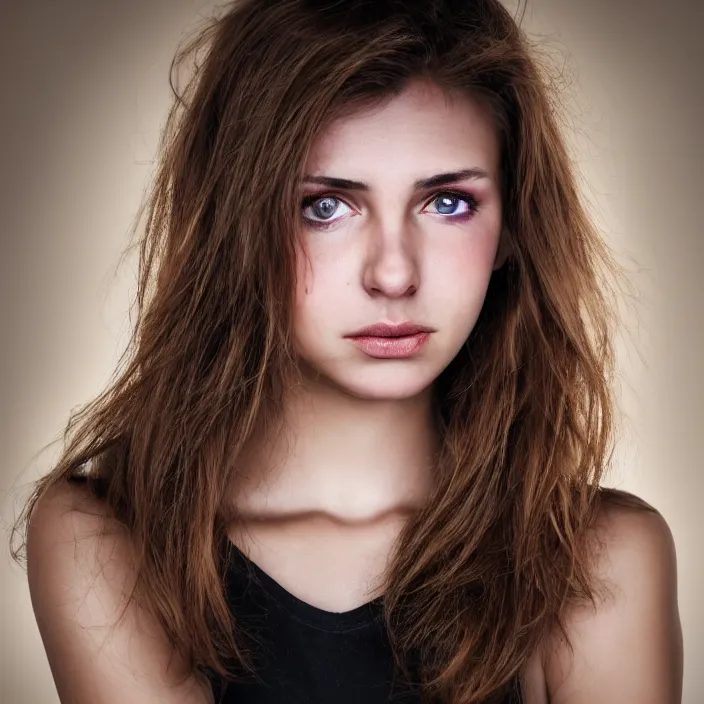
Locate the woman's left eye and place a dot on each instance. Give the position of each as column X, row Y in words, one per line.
column 447, row 203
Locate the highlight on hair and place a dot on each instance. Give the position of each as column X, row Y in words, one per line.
column 485, row 570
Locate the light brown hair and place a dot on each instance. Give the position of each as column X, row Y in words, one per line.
column 525, row 411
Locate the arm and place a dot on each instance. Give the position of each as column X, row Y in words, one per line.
column 78, row 584
column 628, row 650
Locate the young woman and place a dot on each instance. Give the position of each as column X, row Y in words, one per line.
column 355, row 453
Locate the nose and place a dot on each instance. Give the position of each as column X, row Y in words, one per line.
column 392, row 267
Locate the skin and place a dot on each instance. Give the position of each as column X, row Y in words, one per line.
column 326, row 498
column 360, row 428
column 395, row 253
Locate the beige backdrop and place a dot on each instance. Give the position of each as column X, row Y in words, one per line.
column 84, row 92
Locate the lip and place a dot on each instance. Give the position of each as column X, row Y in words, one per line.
column 387, row 341
column 390, row 330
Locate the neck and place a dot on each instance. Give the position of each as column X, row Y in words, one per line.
column 350, row 458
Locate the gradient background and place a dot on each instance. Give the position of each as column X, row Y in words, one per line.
column 84, row 93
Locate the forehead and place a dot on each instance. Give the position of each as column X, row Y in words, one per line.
column 418, row 131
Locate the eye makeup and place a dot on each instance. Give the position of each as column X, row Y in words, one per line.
column 462, row 196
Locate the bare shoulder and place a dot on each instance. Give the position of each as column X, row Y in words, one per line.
column 628, row 648
column 635, row 542
column 100, row 646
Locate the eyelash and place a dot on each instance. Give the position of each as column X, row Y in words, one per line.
column 466, row 197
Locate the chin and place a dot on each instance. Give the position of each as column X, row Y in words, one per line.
column 386, row 381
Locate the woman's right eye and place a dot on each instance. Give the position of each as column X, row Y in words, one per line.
column 322, row 208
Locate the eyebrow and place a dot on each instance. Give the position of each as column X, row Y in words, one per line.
column 431, row 182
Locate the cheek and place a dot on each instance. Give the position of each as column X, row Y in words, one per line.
column 316, row 267
column 461, row 267
column 304, row 277
column 322, row 287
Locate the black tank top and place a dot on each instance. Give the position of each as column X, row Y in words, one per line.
column 305, row 655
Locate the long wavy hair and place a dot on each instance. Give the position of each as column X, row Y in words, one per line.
column 484, row 571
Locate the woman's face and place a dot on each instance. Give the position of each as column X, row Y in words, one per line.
column 396, row 250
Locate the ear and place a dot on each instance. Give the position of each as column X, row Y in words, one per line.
column 502, row 251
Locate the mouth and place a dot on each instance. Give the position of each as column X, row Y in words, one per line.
column 391, row 330
column 387, row 341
